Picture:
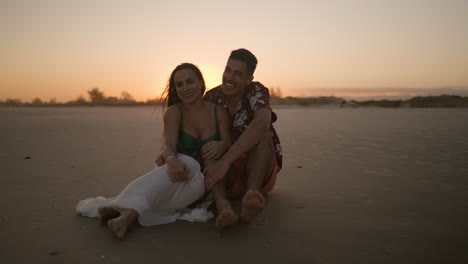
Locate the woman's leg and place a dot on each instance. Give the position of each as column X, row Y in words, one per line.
column 107, row 213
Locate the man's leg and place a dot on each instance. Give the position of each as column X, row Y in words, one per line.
column 226, row 216
column 259, row 168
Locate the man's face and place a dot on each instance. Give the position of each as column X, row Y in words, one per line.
column 235, row 77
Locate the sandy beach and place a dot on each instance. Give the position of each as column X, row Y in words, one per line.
column 357, row 186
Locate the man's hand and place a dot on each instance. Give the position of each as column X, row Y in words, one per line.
column 213, row 150
column 214, row 173
column 177, row 171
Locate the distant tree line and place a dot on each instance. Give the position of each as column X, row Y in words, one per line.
column 308, row 101
column 96, row 97
column 441, row 101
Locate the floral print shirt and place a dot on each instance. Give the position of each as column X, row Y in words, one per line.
column 256, row 97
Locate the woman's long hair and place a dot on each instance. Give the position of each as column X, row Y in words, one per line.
column 169, row 96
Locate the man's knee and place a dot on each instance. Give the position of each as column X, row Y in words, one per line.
column 264, row 146
column 262, row 159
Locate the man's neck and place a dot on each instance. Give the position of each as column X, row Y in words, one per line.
column 234, row 100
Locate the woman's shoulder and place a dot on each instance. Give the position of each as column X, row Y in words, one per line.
column 175, row 107
column 172, row 111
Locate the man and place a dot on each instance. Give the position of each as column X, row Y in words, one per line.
column 249, row 167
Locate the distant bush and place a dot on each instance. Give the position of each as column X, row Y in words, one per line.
column 309, row 101
column 96, row 96
column 80, row 100
column 439, row 101
column 12, row 102
column 445, row 101
column 380, row 103
column 37, row 102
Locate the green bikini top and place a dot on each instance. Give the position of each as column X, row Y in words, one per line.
column 189, row 145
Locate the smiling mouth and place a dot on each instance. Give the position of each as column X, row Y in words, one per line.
column 229, row 85
column 187, row 94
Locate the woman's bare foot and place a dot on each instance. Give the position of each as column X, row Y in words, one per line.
column 107, row 213
column 226, row 216
column 120, row 225
column 252, row 204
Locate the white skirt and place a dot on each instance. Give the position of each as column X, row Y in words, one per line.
column 156, row 198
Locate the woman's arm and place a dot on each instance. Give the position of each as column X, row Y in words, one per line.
column 215, row 149
column 160, row 158
column 177, row 170
column 171, row 131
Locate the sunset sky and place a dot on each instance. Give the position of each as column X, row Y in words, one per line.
column 61, row 49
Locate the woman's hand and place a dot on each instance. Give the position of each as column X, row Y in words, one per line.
column 214, row 149
column 177, row 171
column 160, row 160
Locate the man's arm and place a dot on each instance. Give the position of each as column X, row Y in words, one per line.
column 255, row 131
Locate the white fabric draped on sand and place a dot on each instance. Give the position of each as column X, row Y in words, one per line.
column 156, row 198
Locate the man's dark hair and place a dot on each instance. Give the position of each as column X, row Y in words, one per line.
column 247, row 57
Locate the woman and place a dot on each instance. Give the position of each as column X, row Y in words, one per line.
column 158, row 196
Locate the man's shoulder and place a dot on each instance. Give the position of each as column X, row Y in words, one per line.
column 258, row 96
column 213, row 94
column 258, row 87
column 214, row 90
column 257, row 90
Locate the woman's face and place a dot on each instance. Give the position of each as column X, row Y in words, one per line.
column 188, row 86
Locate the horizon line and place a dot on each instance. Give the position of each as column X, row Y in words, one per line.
column 318, row 92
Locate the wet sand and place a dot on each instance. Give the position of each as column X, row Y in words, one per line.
column 357, row 186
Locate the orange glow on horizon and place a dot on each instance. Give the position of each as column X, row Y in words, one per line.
column 212, row 76
column 62, row 49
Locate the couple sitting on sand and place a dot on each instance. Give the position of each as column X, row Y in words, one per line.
column 223, row 143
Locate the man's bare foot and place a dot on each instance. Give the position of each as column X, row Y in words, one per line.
column 120, row 225
column 252, row 204
column 107, row 213
column 226, row 216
